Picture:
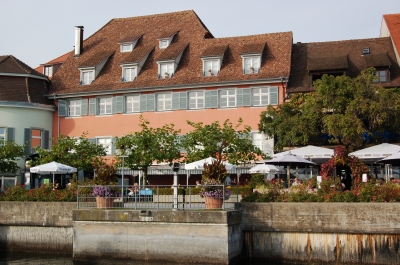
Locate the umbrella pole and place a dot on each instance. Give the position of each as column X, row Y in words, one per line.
column 53, row 181
column 288, row 176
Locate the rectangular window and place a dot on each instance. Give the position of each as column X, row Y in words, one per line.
column 164, row 102
column 133, row 103
column 260, row 96
column 87, row 77
column 262, row 142
column 196, row 100
column 105, row 106
column 382, row 76
column 106, row 143
column 36, row 138
column 164, row 44
column 227, row 98
column 74, row 108
column 211, row 67
column 126, row 47
column 166, row 70
column 128, row 74
column 2, row 133
column 251, row 65
column 48, row 70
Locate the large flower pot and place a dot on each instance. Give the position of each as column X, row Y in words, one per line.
column 104, row 202
column 214, row 203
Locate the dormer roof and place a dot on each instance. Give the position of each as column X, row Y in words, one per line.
column 130, row 39
column 92, row 60
column 377, row 60
column 327, row 63
column 214, row 51
column 256, row 48
column 167, row 34
column 137, row 54
column 172, row 51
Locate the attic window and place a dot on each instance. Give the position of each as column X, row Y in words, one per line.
column 164, row 44
column 48, row 70
column 87, row 77
column 251, row 64
column 365, row 50
column 126, row 47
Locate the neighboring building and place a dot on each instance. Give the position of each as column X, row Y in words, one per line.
column 50, row 68
column 349, row 57
column 390, row 27
column 25, row 113
column 170, row 69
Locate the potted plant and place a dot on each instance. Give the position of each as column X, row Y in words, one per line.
column 251, row 69
column 213, row 179
column 105, row 175
column 210, row 73
column 166, row 75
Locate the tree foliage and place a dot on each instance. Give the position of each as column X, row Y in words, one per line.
column 149, row 145
column 344, row 108
column 226, row 142
column 80, row 153
column 9, row 152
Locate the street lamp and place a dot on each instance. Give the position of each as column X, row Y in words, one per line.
column 175, row 168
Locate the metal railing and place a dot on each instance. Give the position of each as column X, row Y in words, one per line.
column 154, row 197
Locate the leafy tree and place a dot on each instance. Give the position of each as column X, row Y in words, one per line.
column 76, row 152
column 344, row 108
column 9, row 152
column 148, row 146
column 228, row 142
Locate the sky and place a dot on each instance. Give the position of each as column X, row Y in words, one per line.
column 37, row 31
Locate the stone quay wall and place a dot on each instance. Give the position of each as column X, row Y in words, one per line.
column 330, row 232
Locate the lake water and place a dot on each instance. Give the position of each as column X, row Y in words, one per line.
column 41, row 258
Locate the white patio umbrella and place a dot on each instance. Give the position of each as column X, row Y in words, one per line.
column 393, row 159
column 53, row 168
column 289, row 160
column 200, row 164
column 376, row 152
column 265, row 169
column 316, row 154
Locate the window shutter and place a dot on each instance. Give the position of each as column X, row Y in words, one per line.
column 246, row 97
column 151, row 102
column 114, row 105
column 143, row 103
column 273, row 95
column 183, row 100
column 10, row 134
column 119, row 104
column 211, row 99
column 62, row 108
column 45, row 139
column 239, row 97
column 27, row 140
column 93, row 106
column 175, row 100
column 84, row 107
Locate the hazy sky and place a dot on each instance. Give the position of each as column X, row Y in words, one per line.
column 37, row 31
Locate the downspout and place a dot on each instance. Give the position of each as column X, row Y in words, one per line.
column 58, row 117
column 27, row 89
column 284, row 86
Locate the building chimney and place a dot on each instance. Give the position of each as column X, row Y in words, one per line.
column 78, row 40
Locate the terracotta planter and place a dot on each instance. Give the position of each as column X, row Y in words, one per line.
column 214, row 203
column 104, row 202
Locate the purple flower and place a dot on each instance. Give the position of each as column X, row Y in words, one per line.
column 104, row 191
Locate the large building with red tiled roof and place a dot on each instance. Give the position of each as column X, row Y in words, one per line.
column 390, row 27
column 170, row 69
column 349, row 57
column 26, row 115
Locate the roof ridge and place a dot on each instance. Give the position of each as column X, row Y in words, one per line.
column 154, row 15
column 248, row 36
column 339, row 41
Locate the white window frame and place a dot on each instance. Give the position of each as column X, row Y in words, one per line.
column 87, row 77
column 164, row 101
column 3, row 134
column 48, row 70
column 257, row 94
column 105, row 105
column 166, row 68
column 197, row 99
column 133, row 73
column 225, row 98
column 106, row 142
column 164, row 43
column 255, row 62
column 260, row 140
column 380, row 76
column 3, row 179
column 126, row 47
column 132, row 103
column 215, row 66
column 75, row 108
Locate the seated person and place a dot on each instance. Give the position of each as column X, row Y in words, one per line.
column 134, row 189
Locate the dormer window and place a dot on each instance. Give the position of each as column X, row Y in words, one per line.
column 48, row 70
column 251, row 64
column 166, row 39
column 365, row 50
column 126, row 47
column 211, row 67
column 87, row 77
column 129, row 73
column 129, row 43
column 212, row 60
column 166, row 70
column 381, row 76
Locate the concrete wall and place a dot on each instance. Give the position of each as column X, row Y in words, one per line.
column 331, row 232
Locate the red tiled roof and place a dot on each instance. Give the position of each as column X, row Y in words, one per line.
column 299, row 80
column 393, row 24
column 253, row 48
column 192, row 37
column 130, row 39
column 10, row 64
column 94, row 58
column 167, row 34
column 214, row 51
column 58, row 60
column 136, row 55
